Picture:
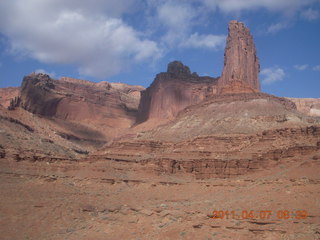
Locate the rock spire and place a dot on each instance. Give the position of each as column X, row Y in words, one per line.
column 240, row 60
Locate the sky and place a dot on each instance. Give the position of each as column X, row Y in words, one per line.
column 131, row 41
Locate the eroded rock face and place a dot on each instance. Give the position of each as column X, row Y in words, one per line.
column 172, row 91
column 240, row 60
column 82, row 101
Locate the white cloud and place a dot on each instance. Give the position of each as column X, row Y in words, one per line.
column 272, row 75
column 271, row 5
column 85, row 33
column 287, row 8
column 176, row 15
column 178, row 19
column 205, row 41
column 277, row 27
column 51, row 74
column 301, row 67
column 94, row 36
column 316, row 68
column 310, row 14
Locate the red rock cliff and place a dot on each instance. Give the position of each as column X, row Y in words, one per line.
column 172, row 91
column 99, row 104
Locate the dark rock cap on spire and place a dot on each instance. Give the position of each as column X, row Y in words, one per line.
column 178, row 68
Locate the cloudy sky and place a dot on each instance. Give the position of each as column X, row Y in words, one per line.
column 132, row 40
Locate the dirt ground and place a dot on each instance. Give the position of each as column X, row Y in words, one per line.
column 105, row 200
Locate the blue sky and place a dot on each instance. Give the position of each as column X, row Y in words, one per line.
column 131, row 41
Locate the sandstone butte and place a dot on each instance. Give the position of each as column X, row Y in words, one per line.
column 84, row 160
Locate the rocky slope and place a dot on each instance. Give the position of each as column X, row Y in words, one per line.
column 64, row 118
column 224, row 136
column 232, row 114
column 25, row 136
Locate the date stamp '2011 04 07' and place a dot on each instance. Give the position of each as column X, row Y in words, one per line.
column 259, row 214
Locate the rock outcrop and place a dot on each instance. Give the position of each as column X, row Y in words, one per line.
column 240, row 59
column 172, row 91
column 309, row 106
column 217, row 156
column 7, row 94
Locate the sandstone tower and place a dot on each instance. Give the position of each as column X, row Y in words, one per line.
column 241, row 64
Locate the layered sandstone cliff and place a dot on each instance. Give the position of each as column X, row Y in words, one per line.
column 79, row 100
column 85, row 112
column 172, row 91
column 240, row 59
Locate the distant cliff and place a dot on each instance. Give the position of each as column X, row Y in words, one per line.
column 111, row 104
